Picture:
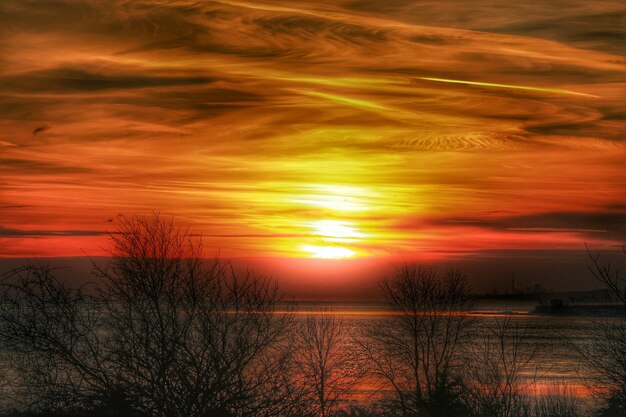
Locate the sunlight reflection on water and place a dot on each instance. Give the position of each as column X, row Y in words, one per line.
column 554, row 336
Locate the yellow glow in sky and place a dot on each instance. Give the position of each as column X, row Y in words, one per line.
column 336, row 198
column 336, row 229
column 327, row 252
column 333, row 231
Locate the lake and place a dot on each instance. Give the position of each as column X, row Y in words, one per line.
column 552, row 336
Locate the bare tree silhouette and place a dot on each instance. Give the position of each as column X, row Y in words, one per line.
column 166, row 334
column 52, row 336
column 501, row 369
column 603, row 355
column 325, row 363
column 611, row 278
column 416, row 349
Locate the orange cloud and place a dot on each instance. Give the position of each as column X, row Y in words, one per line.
column 392, row 129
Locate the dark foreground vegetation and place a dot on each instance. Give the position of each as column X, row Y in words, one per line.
column 161, row 333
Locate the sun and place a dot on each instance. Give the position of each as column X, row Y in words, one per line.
column 328, row 252
column 337, row 233
column 330, row 233
column 336, row 230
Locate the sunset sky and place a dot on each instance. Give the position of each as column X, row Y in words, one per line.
column 367, row 130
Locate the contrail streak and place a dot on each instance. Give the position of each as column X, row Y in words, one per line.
column 515, row 87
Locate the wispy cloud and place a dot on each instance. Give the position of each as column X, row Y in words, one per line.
column 5, row 232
